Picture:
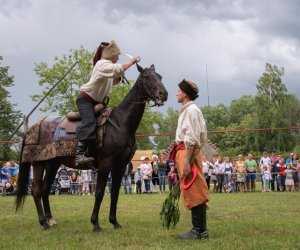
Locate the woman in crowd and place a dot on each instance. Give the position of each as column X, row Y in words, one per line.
column 162, row 173
column 240, row 178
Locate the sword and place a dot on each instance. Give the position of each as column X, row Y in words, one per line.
column 138, row 59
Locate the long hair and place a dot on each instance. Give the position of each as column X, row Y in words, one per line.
column 98, row 53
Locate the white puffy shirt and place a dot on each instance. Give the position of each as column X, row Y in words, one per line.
column 105, row 74
column 191, row 128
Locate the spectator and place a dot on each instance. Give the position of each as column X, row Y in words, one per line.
column 207, row 170
column 162, row 173
column 172, row 178
column 86, row 178
column 127, row 179
column 146, row 170
column 214, row 173
column 74, row 182
column 93, row 181
column 109, row 182
column 266, row 176
column 289, row 181
column 227, row 171
column 265, row 160
column 281, row 178
column 63, row 180
column 220, row 170
column 289, row 159
column 154, row 165
column 295, row 163
column 138, row 178
column 240, row 177
column 251, row 167
column 274, row 171
column 13, row 170
column 4, row 177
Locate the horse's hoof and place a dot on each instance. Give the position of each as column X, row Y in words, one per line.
column 51, row 222
column 46, row 226
column 117, row 226
column 96, row 229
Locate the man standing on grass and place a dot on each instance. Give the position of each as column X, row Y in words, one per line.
column 191, row 134
column 251, row 167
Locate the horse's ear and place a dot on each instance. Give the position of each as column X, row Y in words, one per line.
column 152, row 67
column 139, row 68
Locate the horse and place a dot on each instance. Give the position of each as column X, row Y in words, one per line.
column 117, row 151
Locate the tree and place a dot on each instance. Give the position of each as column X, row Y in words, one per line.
column 63, row 97
column 273, row 103
column 166, row 124
column 9, row 116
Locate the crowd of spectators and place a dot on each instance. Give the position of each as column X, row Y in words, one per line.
column 222, row 174
column 275, row 172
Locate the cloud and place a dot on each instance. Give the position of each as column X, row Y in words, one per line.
column 233, row 39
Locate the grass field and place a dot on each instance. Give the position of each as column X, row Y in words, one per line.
column 235, row 221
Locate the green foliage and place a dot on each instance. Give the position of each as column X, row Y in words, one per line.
column 166, row 124
column 62, row 98
column 170, row 212
column 274, row 107
column 9, row 116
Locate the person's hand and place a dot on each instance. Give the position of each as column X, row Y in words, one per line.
column 133, row 60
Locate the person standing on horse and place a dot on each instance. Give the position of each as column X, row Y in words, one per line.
column 191, row 135
column 106, row 73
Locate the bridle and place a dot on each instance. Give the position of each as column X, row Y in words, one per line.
column 148, row 97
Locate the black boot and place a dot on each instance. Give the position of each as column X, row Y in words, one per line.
column 199, row 230
column 81, row 159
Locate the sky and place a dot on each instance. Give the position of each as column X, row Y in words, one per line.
column 221, row 45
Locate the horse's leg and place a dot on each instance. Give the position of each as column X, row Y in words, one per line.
column 38, row 172
column 117, row 174
column 51, row 169
column 100, row 189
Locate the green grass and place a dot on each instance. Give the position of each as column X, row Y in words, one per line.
column 235, row 221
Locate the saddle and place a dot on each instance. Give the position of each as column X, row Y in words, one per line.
column 72, row 120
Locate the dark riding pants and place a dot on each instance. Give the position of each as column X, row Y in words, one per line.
column 86, row 131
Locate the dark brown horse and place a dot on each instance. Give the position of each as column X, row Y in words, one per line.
column 118, row 150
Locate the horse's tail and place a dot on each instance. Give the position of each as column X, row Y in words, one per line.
column 22, row 185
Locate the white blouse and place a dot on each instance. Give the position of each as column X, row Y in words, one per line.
column 191, row 128
column 105, row 74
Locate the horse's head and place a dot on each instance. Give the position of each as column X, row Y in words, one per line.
column 152, row 87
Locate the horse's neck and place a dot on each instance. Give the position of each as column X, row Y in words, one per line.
column 131, row 109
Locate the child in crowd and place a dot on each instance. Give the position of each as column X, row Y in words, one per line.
column 74, row 182
column 172, row 177
column 86, row 178
column 146, row 170
column 266, row 174
column 138, row 180
column 289, row 182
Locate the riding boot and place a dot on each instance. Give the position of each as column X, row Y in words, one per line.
column 81, row 158
column 199, row 230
